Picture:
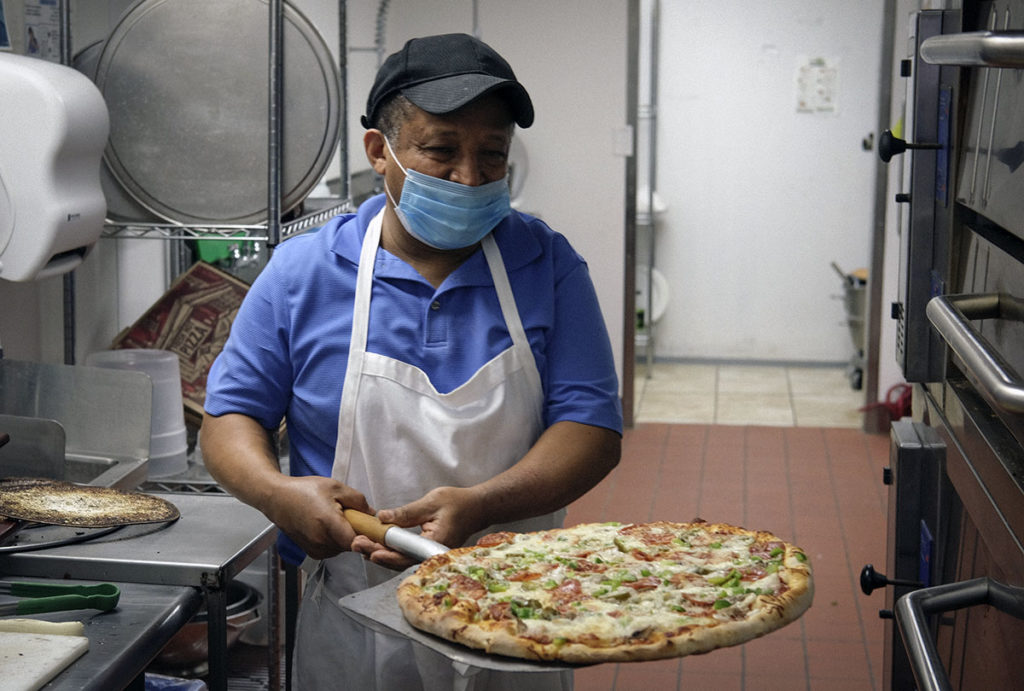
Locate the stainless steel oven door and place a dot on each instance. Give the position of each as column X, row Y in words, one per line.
column 982, row 537
column 984, row 328
column 991, row 173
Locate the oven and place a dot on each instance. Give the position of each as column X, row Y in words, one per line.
column 954, row 580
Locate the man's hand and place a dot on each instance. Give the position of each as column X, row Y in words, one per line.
column 308, row 510
column 239, row 454
column 567, row 460
column 445, row 514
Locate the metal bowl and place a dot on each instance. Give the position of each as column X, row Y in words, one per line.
column 188, row 649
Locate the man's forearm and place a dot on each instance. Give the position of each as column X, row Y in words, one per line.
column 238, row 452
column 567, row 461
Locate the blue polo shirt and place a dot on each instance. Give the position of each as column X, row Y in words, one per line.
column 288, row 347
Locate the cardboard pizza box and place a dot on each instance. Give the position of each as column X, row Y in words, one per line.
column 192, row 319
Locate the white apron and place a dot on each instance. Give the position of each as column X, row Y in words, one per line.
column 398, row 438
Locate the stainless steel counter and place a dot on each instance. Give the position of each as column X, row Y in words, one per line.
column 216, row 537
column 122, row 642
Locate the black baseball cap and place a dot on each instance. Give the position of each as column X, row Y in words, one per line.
column 441, row 74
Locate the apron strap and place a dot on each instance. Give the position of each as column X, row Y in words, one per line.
column 364, row 284
column 510, row 312
column 357, row 343
column 505, row 296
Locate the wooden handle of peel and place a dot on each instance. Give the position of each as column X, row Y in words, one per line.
column 367, row 525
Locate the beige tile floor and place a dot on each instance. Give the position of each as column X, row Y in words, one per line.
column 786, row 396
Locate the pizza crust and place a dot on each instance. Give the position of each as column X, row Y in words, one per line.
column 460, row 620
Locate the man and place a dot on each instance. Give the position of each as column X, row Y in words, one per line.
column 475, row 391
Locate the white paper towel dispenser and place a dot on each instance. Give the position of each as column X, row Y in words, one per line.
column 53, row 129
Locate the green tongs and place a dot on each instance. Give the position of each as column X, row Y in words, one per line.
column 47, row 597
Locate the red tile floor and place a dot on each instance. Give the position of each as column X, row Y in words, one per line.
column 818, row 487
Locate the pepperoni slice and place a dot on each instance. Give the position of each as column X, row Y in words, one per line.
column 500, row 611
column 584, row 565
column 650, row 533
column 495, row 539
column 520, row 576
column 645, row 583
column 567, row 591
column 765, row 549
column 704, row 599
column 466, row 587
column 683, row 579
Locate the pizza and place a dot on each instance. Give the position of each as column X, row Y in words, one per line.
column 604, row 592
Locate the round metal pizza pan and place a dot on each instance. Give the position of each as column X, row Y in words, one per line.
column 186, row 83
column 39, row 537
column 121, row 206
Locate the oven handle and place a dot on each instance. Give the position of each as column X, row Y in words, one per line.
column 975, row 49
column 951, row 316
column 913, row 609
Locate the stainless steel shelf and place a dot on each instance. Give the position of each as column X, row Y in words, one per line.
column 257, row 233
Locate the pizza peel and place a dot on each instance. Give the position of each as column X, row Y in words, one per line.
column 377, row 607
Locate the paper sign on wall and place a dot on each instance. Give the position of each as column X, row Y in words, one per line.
column 817, row 85
column 42, row 29
column 5, row 38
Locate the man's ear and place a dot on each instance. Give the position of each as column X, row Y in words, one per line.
column 373, row 143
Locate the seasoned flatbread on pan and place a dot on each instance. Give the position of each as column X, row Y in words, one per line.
column 65, row 503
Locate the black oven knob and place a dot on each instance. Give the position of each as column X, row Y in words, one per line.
column 871, row 579
column 889, row 145
column 886, row 614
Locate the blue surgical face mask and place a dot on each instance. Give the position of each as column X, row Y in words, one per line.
column 448, row 215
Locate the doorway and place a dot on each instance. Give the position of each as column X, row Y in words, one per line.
column 765, row 163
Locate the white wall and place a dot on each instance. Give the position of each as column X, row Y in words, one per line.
column 762, row 198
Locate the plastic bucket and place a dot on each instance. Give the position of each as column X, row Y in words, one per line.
column 168, row 441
